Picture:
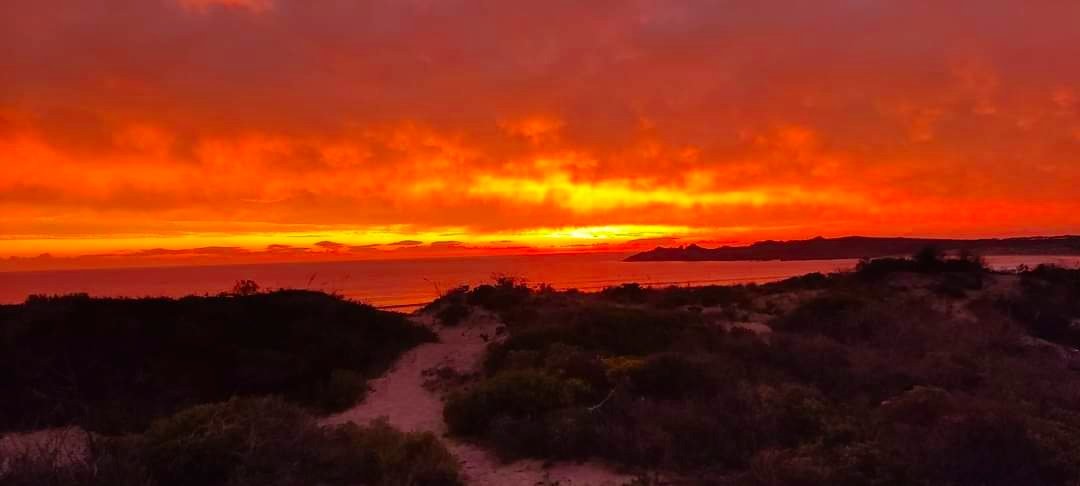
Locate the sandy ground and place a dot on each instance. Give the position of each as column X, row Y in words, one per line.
column 60, row 445
column 401, row 397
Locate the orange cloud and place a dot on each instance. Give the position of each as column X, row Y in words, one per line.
column 205, row 5
column 243, row 124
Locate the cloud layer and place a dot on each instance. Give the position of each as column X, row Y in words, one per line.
column 134, row 124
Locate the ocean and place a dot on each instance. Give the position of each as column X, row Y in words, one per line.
column 407, row 284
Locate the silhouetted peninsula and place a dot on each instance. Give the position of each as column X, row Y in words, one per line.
column 861, row 247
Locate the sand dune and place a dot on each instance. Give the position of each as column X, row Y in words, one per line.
column 401, row 397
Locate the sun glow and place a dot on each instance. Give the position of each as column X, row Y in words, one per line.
column 284, row 130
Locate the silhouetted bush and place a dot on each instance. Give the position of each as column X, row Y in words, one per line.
column 810, row 281
column 628, row 293
column 453, row 314
column 927, row 261
column 503, row 295
column 1049, row 303
column 115, row 364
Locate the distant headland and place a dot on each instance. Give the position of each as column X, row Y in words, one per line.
column 861, row 247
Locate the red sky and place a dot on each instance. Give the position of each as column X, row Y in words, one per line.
column 214, row 129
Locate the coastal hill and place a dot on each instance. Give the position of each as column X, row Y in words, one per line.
column 861, row 247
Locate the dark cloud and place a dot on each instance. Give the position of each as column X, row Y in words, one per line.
column 331, row 246
column 406, row 243
column 212, row 250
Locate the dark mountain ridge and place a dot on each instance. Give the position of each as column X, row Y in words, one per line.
column 862, row 247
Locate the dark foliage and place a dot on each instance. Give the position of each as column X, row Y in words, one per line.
column 927, row 261
column 672, row 297
column 250, row 442
column 1049, row 303
column 844, row 317
column 506, row 293
column 904, row 372
column 453, row 314
column 115, row 364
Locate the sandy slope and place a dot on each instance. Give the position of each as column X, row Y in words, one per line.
column 400, row 396
column 61, row 446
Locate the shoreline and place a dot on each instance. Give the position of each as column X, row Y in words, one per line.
column 415, row 284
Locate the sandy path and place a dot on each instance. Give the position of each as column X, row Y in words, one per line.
column 57, row 446
column 401, row 398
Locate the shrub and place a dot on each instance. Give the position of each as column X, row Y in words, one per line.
column 926, row 261
column 671, row 297
column 245, row 287
column 920, row 406
column 846, row 318
column 816, row 360
column 810, row 281
column 267, row 441
column 413, row 458
column 957, row 285
column 672, row 376
column 853, row 465
column 786, row 415
column 113, row 365
column 1048, row 304
column 622, row 331
column 109, row 463
column 343, row 389
column 990, row 448
column 505, row 294
column 515, row 394
column 858, row 384
column 628, row 293
column 456, row 295
column 253, row 442
column 453, row 314
column 573, row 362
column 211, row 444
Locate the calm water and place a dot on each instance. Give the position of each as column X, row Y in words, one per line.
column 411, row 282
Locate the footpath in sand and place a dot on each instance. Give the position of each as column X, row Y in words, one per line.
column 400, row 396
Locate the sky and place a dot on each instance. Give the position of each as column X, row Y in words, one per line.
column 168, row 131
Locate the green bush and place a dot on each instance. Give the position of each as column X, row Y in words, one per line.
column 515, row 394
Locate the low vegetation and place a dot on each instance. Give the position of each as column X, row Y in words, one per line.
column 246, row 442
column 926, row 371
column 114, row 365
